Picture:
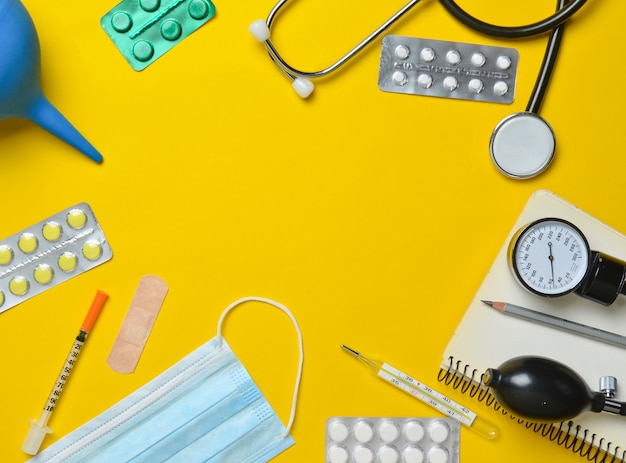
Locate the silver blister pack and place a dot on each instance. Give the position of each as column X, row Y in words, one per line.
column 50, row 252
column 448, row 69
column 392, row 440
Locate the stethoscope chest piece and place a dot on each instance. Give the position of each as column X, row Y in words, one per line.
column 522, row 145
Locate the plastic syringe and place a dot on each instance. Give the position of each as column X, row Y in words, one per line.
column 428, row 395
column 38, row 428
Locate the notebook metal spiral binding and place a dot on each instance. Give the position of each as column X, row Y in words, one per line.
column 460, row 376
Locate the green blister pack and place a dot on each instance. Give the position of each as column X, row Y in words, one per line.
column 144, row 30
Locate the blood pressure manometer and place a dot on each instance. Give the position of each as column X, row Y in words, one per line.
column 551, row 257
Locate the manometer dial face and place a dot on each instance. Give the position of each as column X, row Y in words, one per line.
column 550, row 257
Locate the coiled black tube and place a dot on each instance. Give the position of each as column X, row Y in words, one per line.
column 545, row 25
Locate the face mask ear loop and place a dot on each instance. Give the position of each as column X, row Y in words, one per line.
column 281, row 307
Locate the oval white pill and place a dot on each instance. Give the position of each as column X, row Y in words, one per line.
column 363, row 455
column 427, row 54
column 500, row 88
column 399, row 78
column 338, row 431
column 413, row 431
column 475, row 86
column 450, row 83
column 337, row 454
column 388, row 454
column 402, row 52
column 478, row 59
column 439, row 431
column 425, row 80
column 503, row 62
column 412, row 455
column 453, row 57
column 363, row 432
column 388, row 431
column 437, row 455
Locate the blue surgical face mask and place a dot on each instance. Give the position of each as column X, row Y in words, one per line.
column 205, row 408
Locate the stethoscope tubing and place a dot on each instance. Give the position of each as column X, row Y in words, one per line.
column 564, row 12
column 547, row 66
column 291, row 72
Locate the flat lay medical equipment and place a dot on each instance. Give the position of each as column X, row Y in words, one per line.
column 301, row 80
column 21, row 95
column 39, row 428
column 206, row 407
column 368, row 439
column 521, row 145
column 145, row 30
column 50, row 252
column 427, row 395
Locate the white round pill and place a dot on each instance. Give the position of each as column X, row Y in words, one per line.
column 450, row 83
column 413, row 431
column 425, row 80
column 478, row 59
column 453, row 57
column 338, row 454
column 503, row 62
column 475, row 86
column 363, row 455
column 437, row 455
column 412, row 455
column 338, row 431
column 363, row 432
column 500, row 88
column 399, row 78
column 388, row 454
column 439, row 431
column 388, row 431
column 402, row 52
column 427, row 54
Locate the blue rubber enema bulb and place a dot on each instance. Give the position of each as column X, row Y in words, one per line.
column 21, row 95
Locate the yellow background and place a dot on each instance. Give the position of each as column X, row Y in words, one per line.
column 373, row 216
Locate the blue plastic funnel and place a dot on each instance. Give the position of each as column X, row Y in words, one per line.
column 20, row 79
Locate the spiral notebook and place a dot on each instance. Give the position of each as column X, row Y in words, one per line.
column 486, row 338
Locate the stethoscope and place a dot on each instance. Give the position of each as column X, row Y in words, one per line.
column 523, row 144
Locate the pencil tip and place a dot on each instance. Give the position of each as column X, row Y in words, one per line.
column 489, row 303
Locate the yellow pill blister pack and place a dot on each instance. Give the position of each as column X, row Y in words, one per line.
column 50, row 252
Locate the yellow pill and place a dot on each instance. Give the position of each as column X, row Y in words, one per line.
column 1, row 298
column 92, row 250
column 43, row 274
column 67, row 261
column 52, row 231
column 28, row 243
column 6, row 254
column 76, row 219
column 19, row 286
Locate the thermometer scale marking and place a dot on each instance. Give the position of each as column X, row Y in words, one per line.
column 426, row 394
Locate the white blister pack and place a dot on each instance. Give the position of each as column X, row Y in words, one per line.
column 448, row 69
column 49, row 253
column 392, row 440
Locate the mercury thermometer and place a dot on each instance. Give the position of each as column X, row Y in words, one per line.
column 427, row 395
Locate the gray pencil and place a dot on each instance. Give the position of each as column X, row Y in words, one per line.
column 560, row 323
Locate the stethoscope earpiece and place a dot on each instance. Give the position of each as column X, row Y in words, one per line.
column 261, row 31
column 522, row 145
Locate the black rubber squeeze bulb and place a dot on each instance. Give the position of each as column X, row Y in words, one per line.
column 541, row 389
